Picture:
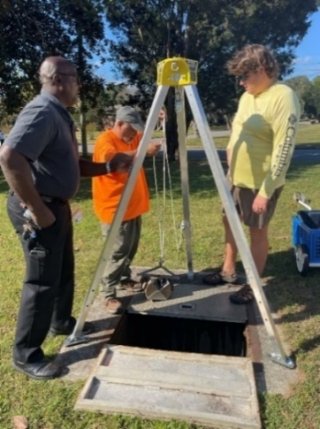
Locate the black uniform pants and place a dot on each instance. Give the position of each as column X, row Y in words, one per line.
column 48, row 286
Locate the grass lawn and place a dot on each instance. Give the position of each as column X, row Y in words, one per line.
column 294, row 299
column 308, row 134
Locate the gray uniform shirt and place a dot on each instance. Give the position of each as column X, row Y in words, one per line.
column 44, row 133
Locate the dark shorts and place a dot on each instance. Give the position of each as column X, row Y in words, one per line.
column 243, row 199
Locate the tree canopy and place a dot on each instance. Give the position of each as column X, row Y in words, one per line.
column 209, row 32
column 34, row 29
column 309, row 95
column 144, row 33
column 147, row 32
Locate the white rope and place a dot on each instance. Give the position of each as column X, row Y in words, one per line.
column 161, row 208
column 173, row 216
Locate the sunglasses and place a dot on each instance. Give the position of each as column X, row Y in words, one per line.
column 243, row 77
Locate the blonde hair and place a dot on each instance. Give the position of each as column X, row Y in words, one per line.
column 251, row 58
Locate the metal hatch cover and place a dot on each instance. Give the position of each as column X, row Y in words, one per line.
column 193, row 301
column 211, row 390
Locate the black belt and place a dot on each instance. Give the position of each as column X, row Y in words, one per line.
column 47, row 198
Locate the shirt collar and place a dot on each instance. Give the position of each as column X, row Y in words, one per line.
column 56, row 101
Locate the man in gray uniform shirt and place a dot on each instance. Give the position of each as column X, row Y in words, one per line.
column 41, row 164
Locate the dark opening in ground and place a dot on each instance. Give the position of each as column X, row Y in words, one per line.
column 181, row 335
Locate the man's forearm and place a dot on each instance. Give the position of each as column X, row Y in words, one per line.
column 120, row 162
column 91, row 169
column 18, row 175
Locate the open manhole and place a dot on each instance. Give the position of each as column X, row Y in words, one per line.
column 184, row 358
column 193, row 321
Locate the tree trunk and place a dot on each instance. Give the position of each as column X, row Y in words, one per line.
column 83, row 130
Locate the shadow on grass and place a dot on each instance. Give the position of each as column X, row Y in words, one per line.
column 294, row 297
column 201, row 181
column 307, row 145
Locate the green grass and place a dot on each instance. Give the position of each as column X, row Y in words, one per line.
column 295, row 301
column 308, row 134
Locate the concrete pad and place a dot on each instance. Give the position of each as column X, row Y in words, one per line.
column 81, row 358
column 209, row 390
column 270, row 377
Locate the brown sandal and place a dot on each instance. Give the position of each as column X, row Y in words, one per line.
column 242, row 296
column 130, row 286
column 113, row 305
column 219, row 278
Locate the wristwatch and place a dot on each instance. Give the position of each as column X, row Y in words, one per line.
column 108, row 167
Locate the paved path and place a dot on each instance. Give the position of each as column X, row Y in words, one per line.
column 300, row 156
column 306, row 156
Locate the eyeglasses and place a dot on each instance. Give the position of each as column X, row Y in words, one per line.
column 74, row 75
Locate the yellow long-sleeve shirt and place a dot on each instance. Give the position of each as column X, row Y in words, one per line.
column 262, row 139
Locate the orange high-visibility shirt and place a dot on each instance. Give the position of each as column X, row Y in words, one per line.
column 107, row 189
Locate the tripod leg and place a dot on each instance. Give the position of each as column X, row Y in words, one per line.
column 181, row 121
column 106, row 252
column 234, row 222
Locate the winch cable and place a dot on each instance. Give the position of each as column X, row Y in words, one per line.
column 166, row 168
column 161, row 204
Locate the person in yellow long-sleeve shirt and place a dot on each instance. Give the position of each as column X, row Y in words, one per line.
column 259, row 154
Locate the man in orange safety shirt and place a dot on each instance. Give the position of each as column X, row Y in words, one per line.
column 123, row 137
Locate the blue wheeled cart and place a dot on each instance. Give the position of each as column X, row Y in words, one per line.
column 306, row 239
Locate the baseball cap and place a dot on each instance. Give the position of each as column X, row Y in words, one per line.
column 130, row 115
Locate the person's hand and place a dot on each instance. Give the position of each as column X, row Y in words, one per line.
column 46, row 219
column 154, row 148
column 122, row 162
column 41, row 218
column 260, row 204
